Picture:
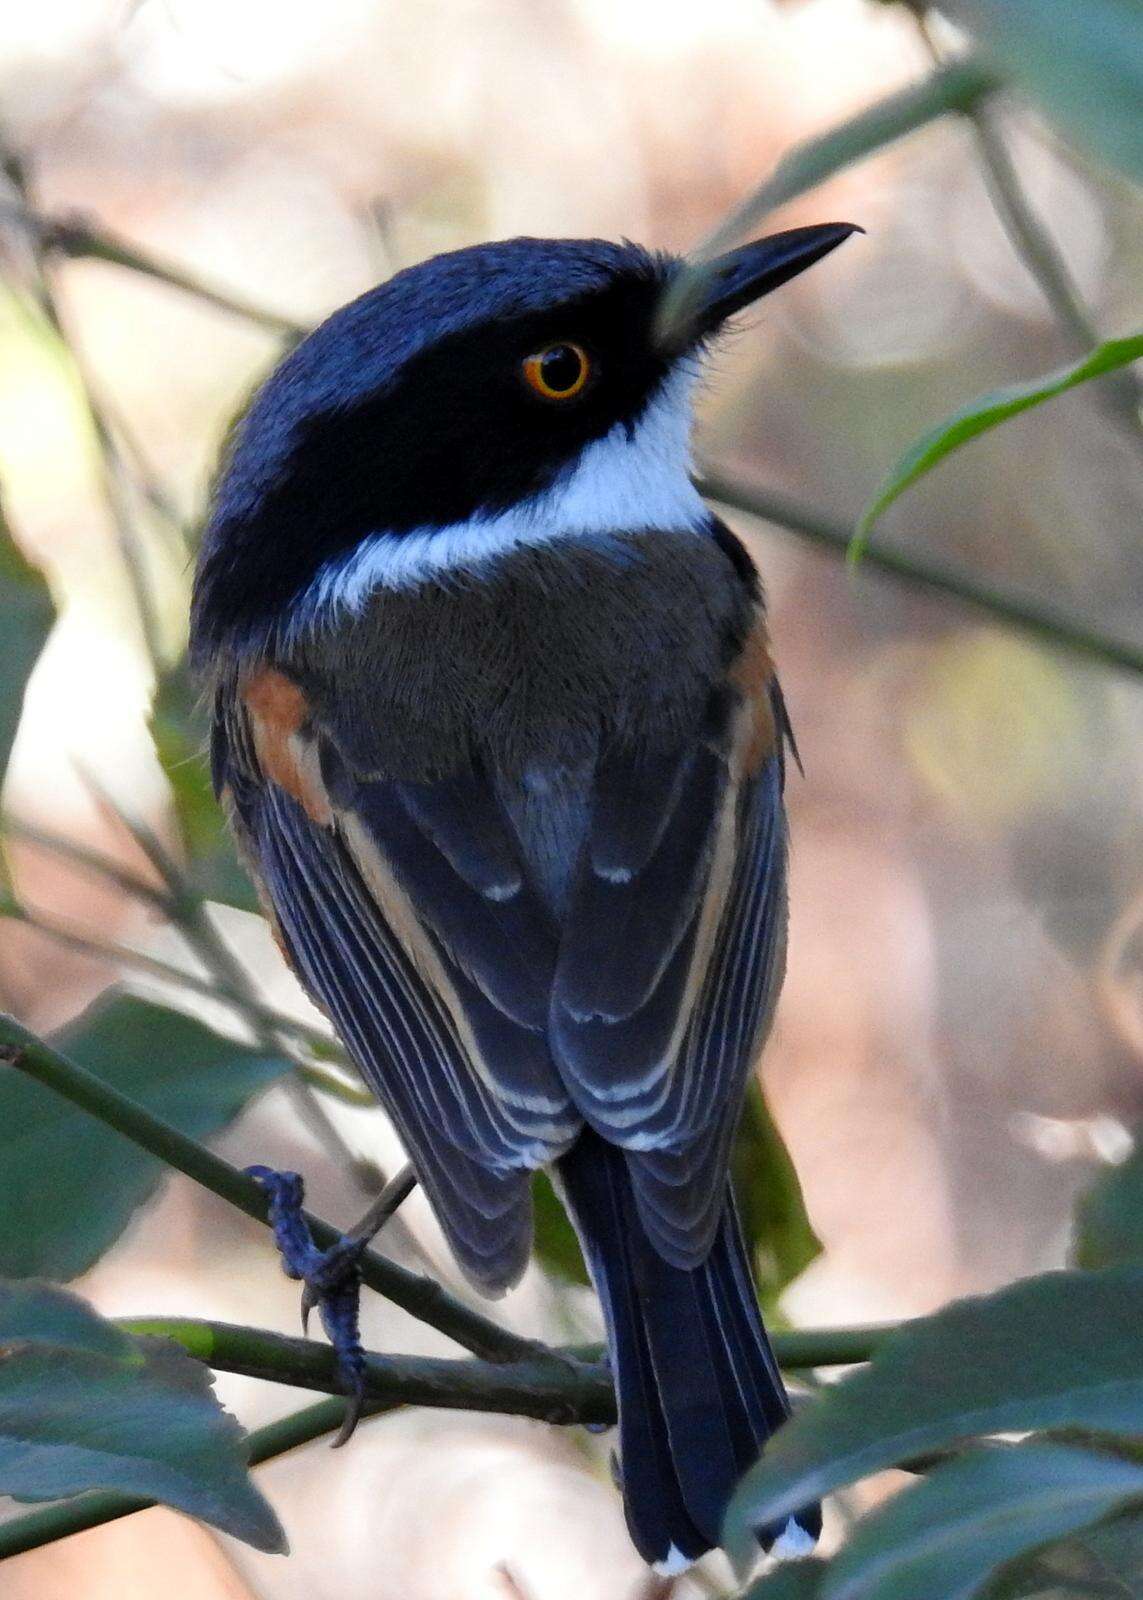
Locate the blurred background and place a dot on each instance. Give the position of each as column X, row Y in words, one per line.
column 959, row 1044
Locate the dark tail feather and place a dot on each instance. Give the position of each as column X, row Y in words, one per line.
column 699, row 1388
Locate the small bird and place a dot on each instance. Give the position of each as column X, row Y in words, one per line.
column 497, row 727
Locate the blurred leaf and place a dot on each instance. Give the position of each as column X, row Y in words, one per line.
column 988, row 412
column 180, row 734
column 769, row 1198
column 556, row 1243
column 1061, row 1350
column 68, row 1184
column 1080, row 60
column 1109, row 1217
column 1103, row 1563
column 766, row 1188
column 942, row 1538
column 26, row 618
column 86, row 1406
column 793, row 1580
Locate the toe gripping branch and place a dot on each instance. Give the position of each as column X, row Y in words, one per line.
column 331, row 1281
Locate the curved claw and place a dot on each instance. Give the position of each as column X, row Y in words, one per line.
column 352, row 1416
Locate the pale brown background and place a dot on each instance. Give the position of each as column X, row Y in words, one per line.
column 955, row 1050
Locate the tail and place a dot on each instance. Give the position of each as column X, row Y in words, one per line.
column 699, row 1389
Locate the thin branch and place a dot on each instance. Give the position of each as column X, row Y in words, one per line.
column 386, row 1205
column 956, row 87
column 306, row 1363
column 1029, row 238
column 421, row 1297
column 1001, row 605
column 1033, row 243
column 188, row 911
column 82, row 855
column 78, row 239
column 122, row 955
column 557, row 1391
column 111, row 466
column 422, row 1382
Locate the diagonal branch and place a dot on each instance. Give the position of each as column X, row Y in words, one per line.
column 1002, row 605
column 80, row 240
column 421, row 1297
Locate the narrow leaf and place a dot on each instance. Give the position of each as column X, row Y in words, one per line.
column 557, row 1246
column 773, row 1213
column 985, row 413
column 793, row 1580
column 85, row 1406
column 1062, row 1350
column 943, row 1538
column 68, row 1184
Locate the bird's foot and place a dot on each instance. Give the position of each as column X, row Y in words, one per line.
column 331, row 1282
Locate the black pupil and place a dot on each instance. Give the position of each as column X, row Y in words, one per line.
column 560, row 367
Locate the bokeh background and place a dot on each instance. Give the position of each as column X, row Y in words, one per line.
column 959, row 1044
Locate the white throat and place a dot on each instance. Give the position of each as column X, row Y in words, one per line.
column 626, row 482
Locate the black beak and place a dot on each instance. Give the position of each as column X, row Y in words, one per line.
column 700, row 300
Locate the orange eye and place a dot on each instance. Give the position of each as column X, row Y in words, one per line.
column 558, row 371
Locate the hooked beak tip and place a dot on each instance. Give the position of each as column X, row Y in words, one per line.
column 703, row 295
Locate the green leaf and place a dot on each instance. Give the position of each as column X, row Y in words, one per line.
column 793, row 1580
column 988, row 412
column 26, row 618
column 68, row 1184
column 1109, row 1217
column 1061, row 1350
column 86, row 1406
column 180, row 735
column 1080, row 60
column 769, row 1198
column 1105, row 1562
column 943, row 1538
column 556, row 1243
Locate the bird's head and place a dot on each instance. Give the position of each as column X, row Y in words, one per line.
column 497, row 395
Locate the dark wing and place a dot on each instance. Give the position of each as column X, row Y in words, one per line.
column 673, row 953
column 406, row 913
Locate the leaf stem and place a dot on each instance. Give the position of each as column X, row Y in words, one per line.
column 1001, row 605
column 421, row 1297
column 123, row 955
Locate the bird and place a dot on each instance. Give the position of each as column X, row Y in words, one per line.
column 496, row 724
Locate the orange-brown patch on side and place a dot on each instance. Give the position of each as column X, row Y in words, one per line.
column 279, row 719
column 752, row 674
